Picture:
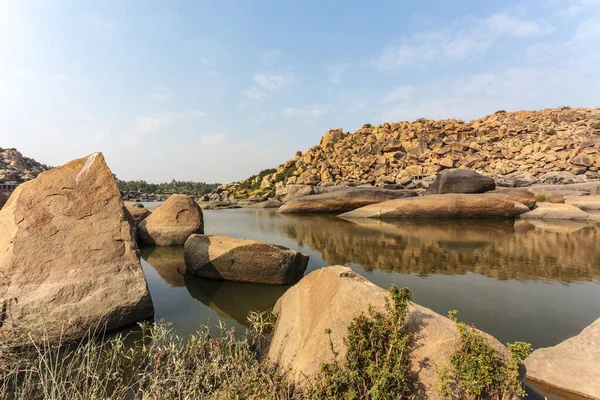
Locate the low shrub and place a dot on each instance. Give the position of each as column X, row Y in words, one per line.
column 421, row 120
column 565, row 108
column 367, row 126
column 478, row 372
column 542, row 197
column 596, row 126
column 500, row 112
column 377, row 363
column 550, row 132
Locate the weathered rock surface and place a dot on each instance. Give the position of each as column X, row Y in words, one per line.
column 442, row 206
column 522, row 196
column 68, row 258
column 172, row 223
column 460, row 181
column 15, row 167
column 329, row 299
column 572, row 365
column 291, row 192
column 267, row 204
column 242, row 260
column 218, row 205
column 549, row 211
column 585, row 203
column 344, row 200
column 138, row 212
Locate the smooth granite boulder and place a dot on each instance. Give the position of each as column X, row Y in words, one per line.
column 172, row 223
column 341, row 201
column 3, row 199
column 313, row 318
column 460, row 181
column 549, row 211
column 442, row 206
column 68, row 259
column 572, row 365
column 242, row 260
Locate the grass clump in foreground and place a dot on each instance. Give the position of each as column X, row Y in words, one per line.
column 542, row 197
column 377, row 363
column 159, row 365
column 478, row 372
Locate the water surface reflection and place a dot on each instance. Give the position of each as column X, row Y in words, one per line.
column 529, row 281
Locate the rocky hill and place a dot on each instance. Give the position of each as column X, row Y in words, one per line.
column 15, row 167
column 515, row 148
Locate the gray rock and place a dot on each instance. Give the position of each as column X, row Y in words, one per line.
column 460, row 181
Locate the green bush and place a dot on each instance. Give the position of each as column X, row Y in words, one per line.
column 377, row 363
column 421, row 120
column 478, row 372
column 596, row 126
column 542, row 197
column 551, row 132
column 565, row 108
column 500, row 112
column 367, row 126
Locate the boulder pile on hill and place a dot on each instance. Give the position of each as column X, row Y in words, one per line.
column 15, row 167
column 551, row 146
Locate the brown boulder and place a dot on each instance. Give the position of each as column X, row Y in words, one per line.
column 68, row 258
column 442, row 206
column 313, row 318
column 3, row 199
column 291, row 192
column 138, row 212
column 572, row 365
column 522, row 196
column 242, row 260
column 460, row 181
column 340, row 201
column 172, row 223
column 586, row 203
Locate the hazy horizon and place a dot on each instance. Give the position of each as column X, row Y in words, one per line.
column 203, row 91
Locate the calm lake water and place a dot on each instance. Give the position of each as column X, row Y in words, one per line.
column 528, row 281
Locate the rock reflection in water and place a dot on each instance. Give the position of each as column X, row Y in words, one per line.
column 168, row 261
column 498, row 249
column 230, row 300
column 234, row 300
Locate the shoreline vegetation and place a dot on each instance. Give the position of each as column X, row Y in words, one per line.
column 154, row 363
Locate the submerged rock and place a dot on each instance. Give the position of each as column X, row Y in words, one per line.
column 449, row 206
column 243, row 260
column 313, row 318
column 267, row 204
column 460, row 181
column 572, row 365
column 340, row 201
column 172, row 223
column 68, row 258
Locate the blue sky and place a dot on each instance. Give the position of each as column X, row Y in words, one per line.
column 218, row 90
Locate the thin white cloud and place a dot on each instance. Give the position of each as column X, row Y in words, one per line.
column 477, row 36
column 272, row 82
column 271, row 57
column 150, row 124
column 310, row 111
column 162, row 94
column 255, row 93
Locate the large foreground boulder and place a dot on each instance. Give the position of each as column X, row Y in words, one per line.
column 242, row 260
column 314, row 315
column 341, row 201
column 446, row 206
column 172, row 223
column 573, row 365
column 68, row 259
column 460, row 181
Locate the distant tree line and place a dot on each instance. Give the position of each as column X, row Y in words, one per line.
column 191, row 188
